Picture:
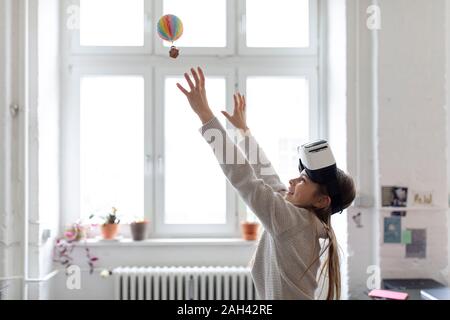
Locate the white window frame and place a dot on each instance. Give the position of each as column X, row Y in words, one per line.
column 183, row 230
column 229, row 49
column 243, row 49
column 233, row 62
column 76, row 48
column 71, row 137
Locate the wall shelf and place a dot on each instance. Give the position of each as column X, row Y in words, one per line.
column 430, row 208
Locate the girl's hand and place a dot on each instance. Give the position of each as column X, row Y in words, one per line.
column 239, row 117
column 197, row 96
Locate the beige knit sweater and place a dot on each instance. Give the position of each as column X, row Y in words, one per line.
column 290, row 241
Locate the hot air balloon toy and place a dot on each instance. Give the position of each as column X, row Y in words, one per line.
column 170, row 28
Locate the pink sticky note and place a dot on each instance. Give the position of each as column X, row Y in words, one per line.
column 388, row 294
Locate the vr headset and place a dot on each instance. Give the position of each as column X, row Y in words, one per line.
column 317, row 160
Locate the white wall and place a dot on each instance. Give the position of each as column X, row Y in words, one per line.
column 361, row 143
column 336, row 75
column 29, row 69
column 396, row 129
column 48, row 130
column 43, row 143
column 447, row 41
column 11, row 215
column 412, row 125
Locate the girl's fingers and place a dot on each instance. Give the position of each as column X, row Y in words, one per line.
column 202, row 77
column 245, row 103
column 189, row 81
column 195, row 75
column 182, row 89
column 226, row 115
column 241, row 101
column 235, row 102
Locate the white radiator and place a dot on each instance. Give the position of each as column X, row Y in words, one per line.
column 183, row 283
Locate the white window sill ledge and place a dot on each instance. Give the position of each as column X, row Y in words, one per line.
column 170, row 242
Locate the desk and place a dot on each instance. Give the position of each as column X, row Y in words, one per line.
column 411, row 286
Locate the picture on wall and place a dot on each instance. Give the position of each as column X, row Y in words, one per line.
column 392, row 196
column 418, row 246
column 392, row 230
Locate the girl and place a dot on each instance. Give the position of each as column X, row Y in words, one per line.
column 287, row 259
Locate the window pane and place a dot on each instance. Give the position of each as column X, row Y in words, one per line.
column 112, row 145
column 277, row 24
column 278, row 115
column 195, row 187
column 112, row 22
column 204, row 21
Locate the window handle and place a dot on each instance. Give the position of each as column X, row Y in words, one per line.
column 148, row 163
column 243, row 24
column 160, row 164
column 147, row 20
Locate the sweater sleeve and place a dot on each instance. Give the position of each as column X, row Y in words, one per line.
column 259, row 161
column 275, row 213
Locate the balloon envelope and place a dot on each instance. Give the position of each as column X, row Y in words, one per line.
column 170, row 27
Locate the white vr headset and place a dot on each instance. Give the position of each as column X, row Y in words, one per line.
column 317, row 160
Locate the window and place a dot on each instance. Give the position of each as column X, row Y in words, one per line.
column 209, row 26
column 109, row 26
column 112, row 145
column 288, row 27
column 112, row 23
column 285, row 27
column 130, row 138
column 191, row 202
column 206, row 27
column 183, row 168
column 278, row 113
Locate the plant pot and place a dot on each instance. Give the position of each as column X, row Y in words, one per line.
column 109, row 231
column 76, row 232
column 250, row 230
column 139, row 230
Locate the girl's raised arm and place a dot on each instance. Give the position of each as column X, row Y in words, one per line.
column 254, row 153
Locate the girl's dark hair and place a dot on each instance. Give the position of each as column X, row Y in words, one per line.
column 332, row 264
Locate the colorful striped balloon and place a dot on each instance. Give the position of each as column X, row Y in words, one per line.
column 170, row 28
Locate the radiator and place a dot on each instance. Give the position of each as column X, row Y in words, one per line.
column 183, row 283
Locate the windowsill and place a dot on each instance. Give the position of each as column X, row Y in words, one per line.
column 171, row 242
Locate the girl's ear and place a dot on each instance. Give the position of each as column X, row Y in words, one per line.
column 323, row 202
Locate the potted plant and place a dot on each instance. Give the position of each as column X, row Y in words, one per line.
column 110, row 227
column 77, row 231
column 64, row 246
column 139, row 229
column 250, row 227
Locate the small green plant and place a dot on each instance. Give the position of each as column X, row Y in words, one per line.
column 111, row 218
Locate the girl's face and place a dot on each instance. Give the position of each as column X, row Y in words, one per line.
column 303, row 193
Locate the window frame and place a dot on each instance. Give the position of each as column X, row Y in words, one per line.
column 77, row 49
column 309, row 73
column 71, row 138
column 233, row 64
column 312, row 50
column 229, row 49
